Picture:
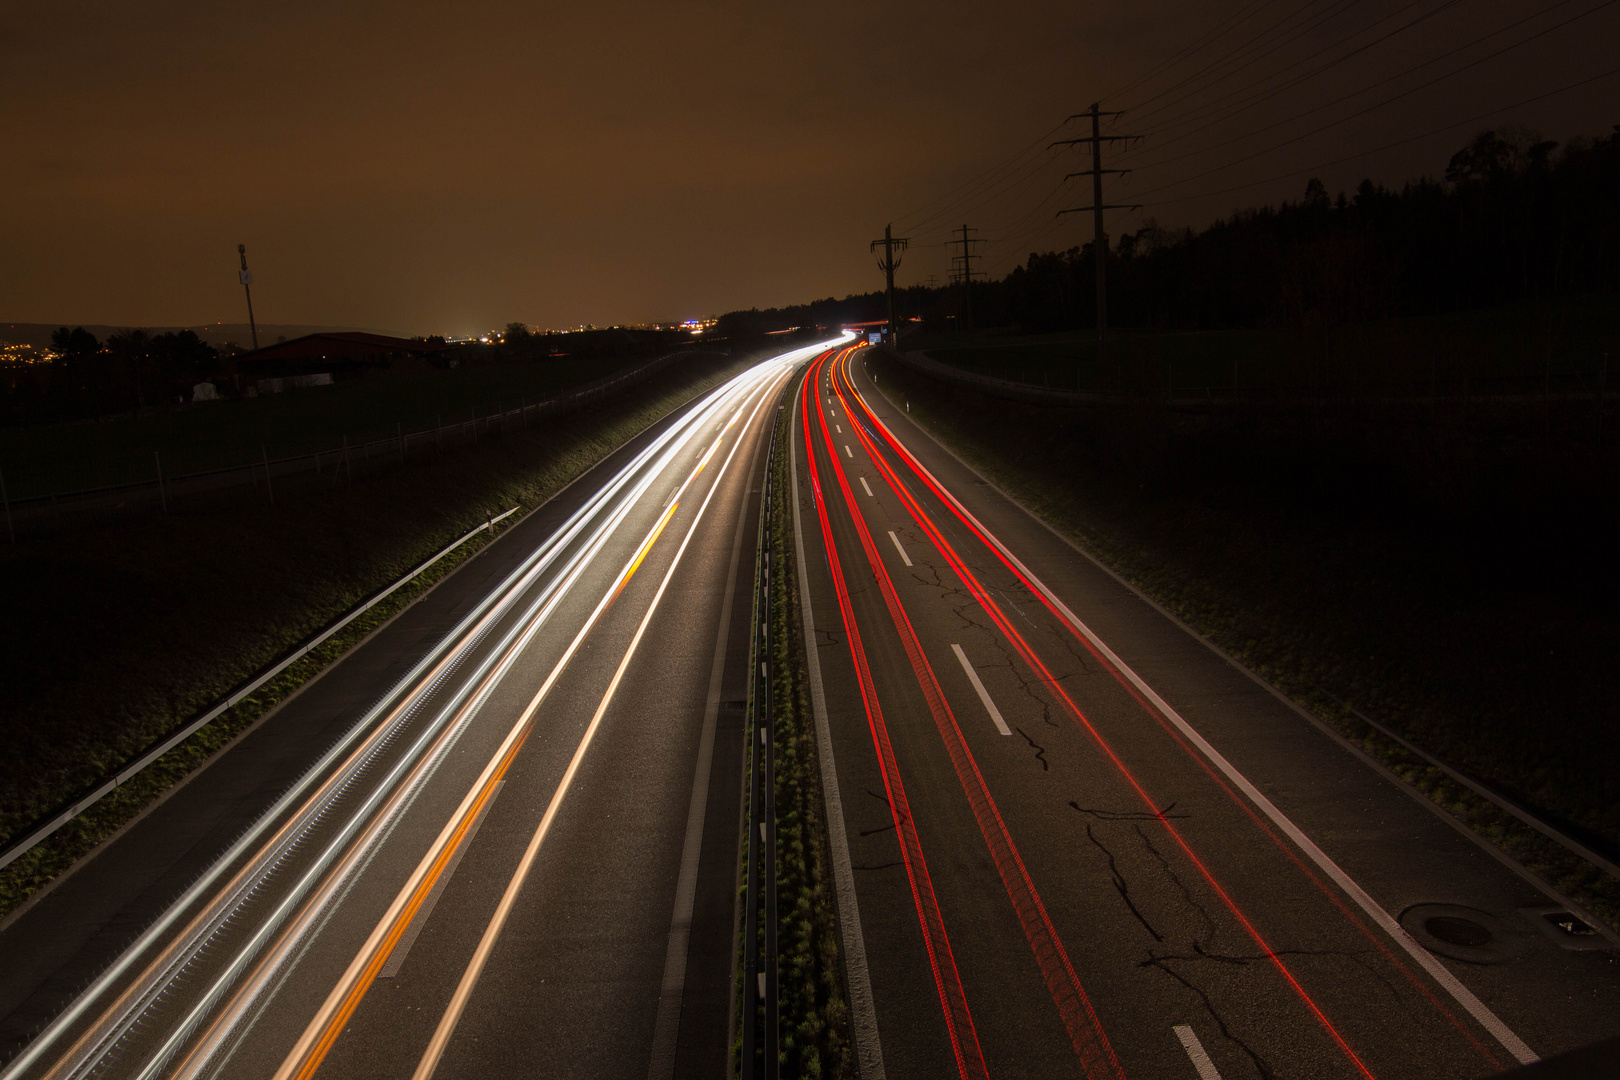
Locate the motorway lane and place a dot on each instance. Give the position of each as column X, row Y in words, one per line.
column 1273, row 968
column 413, row 775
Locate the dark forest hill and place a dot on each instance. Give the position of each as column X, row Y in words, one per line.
column 1511, row 221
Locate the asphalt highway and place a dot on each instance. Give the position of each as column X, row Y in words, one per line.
column 498, row 839
column 1072, row 840
column 501, row 837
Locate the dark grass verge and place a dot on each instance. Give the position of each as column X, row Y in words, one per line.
column 813, row 1016
column 117, row 634
column 1510, row 683
column 815, row 1031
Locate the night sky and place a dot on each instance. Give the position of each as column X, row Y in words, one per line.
column 430, row 167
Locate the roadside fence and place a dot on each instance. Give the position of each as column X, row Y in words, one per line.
column 760, row 1053
column 319, row 468
column 1569, row 383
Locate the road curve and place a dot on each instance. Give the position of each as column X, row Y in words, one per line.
column 1084, row 844
column 499, row 837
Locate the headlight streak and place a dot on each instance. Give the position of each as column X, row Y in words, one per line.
column 431, row 668
column 342, row 765
column 345, row 997
column 398, row 793
column 92, row 1053
column 447, row 1022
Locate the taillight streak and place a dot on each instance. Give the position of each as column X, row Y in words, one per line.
column 947, row 981
column 1107, row 664
column 925, row 522
column 1080, row 1022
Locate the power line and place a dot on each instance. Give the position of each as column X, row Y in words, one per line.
column 1390, row 145
column 1237, row 61
column 1228, row 55
column 1013, row 161
column 967, row 208
column 1370, row 108
column 1199, row 118
column 1355, row 115
column 1190, row 50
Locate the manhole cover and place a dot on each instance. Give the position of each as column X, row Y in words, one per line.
column 1467, row 933
column 1455, row 930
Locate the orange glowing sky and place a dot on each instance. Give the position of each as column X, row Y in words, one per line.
column 425, row 167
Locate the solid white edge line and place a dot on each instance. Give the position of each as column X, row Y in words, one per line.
column 1425, row 959
column 1195, row 1050
column 901, row 549
column 497, row 922
column 984, row 695
column 862, row 1010
column 671, row 991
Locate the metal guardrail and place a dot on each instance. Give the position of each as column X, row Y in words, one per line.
column 343, row 459
column 67, row 813
column 1566, row 385
column 760, row 1056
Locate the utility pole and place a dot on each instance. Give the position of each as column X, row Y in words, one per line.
column 245, row 276
column 887, row 264
column 966, row 272
column 1099, row 236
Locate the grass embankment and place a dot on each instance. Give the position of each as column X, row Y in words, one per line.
column 1450, row 575
column 1497, row 350
column 117, row 633
column 814, row 1018
column 42, row 459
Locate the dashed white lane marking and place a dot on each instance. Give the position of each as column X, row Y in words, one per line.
column 840, row 428
column 897, row 547
column 848, row 451
column 984, row 695
column 1437, row 971
column 865, row 485
column 1195, row 1050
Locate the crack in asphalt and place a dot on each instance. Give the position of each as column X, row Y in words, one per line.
column 884, row 800
column 1040, row 751
column 1129, row 815
column 879, row 866
column 1181, row 886
column 1120, row 885
column 1030, row 689
column 1260, row 1065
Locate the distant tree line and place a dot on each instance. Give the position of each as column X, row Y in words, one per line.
column 134, row 371
column 1513, row 220
column 518, row 342
column 129, row 372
